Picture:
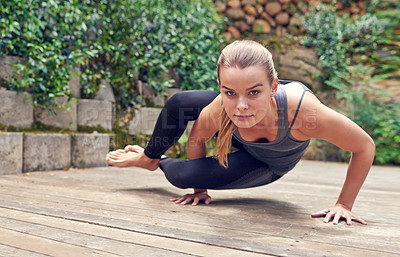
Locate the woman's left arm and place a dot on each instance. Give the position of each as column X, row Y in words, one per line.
column 336, row 128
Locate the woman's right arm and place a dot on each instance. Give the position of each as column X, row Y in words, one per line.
column 204, row 128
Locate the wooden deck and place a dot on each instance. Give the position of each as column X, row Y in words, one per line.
column 126, row 212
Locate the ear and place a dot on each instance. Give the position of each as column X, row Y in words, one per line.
column 274, row 87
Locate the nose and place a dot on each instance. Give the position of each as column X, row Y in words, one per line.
column 242, row 104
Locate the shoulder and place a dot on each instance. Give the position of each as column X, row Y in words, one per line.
column 314, row 119
column 312, row 114
column 309, row 102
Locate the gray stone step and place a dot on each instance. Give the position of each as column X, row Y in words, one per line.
column 89, row 150
column 11, row 152
column 16, row 109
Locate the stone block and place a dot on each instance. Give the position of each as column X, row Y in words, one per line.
column 290, row 73
column 286, row 61
column 64, row 117
column 16, row 109
column 94, row 113
column 152, row 98
column 89, row 150
column 6, row 69
column 11, row 147
column 171, row 91
column 105, row 93
column 144, row 121
column 46, row 152
column 75, row 82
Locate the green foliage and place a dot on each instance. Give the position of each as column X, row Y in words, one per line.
column 161, row 40
column 352, row 85
column 119, row 40
column 386, row 134
column 45, row 33
column 351, row 62
column 389, row 42
column 366, row 107
column 341, row 41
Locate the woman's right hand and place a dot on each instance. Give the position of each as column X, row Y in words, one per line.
column 195, row 198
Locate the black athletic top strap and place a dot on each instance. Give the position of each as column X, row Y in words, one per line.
column 298, row 106
column 297, row 111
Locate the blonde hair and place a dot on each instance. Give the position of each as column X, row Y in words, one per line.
column 239, row 54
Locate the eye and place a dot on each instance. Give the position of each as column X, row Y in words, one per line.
column 230, row 93
column 254, row 92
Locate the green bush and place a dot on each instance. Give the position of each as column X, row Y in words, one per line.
column 119, row 40
column 162, row 40
column 348, row 57
column 341, row 41
column 44, row 32
column 389, row 42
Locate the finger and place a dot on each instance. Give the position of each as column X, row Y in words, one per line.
column 177, row 199
column 348, row 220
column 328, row 216
column 336, row 218
column 360, row 220
column 188, row 200
column 196, row 201
column 208, row 200
column 320, row 213
column 181, row 201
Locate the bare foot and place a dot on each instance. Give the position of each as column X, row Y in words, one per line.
column 132, row 157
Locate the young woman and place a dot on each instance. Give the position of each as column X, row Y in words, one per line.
column 269, row 121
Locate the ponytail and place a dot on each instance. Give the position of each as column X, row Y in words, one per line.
column 224, row 140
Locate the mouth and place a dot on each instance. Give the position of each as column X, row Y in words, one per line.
column 243, row 116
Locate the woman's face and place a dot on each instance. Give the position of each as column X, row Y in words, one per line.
column 247, row 95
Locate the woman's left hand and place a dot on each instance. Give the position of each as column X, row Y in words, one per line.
column 338, row 212
column 193, row 198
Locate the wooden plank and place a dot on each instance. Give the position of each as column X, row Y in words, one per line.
column 238, row 203
column 273, row 190
column 321, row 173
column 245, row 201
column 126, row 179
column 6, row 250
column 111, row 239
column 45, row 246
column 240, row 235
column 237, row 214
column 218, row 240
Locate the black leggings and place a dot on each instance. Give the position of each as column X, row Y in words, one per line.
column 206, row 173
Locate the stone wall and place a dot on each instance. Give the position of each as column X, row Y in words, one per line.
column 273, row 16
column 299, row 64
column 17, row 109
column 28, row 152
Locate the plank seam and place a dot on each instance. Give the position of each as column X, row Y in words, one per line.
column 24, row 249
